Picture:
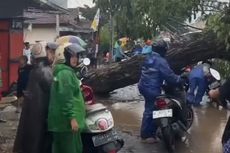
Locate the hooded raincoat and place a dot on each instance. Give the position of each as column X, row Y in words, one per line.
column 155, row 70
column 66, row 103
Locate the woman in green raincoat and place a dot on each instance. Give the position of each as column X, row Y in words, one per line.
column 66, row 118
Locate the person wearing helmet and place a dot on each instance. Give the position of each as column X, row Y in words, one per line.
column 32, row 135
column 66, row 117
column 50, row 50
column 155, row 70
column 199, row 78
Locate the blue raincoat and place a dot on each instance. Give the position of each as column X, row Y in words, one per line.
column 197, row 80
column 155, row 70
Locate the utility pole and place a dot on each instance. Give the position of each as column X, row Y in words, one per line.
column 112, row 36
column 57, row 25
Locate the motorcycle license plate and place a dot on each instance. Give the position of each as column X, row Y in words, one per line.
column 105, row 138
column 162, row 113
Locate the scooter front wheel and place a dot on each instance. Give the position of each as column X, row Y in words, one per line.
column 169, row 139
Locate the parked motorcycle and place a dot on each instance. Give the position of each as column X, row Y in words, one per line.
column 100, row 135
column 173, row 115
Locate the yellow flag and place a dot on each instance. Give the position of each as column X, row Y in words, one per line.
column 95, row 22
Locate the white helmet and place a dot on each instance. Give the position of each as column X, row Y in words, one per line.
column 215, row 74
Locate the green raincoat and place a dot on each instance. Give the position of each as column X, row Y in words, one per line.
column 66, row 103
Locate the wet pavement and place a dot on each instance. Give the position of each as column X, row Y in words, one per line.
column 127, row 107
column 205, row 133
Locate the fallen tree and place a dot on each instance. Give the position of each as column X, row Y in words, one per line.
column 196, row 47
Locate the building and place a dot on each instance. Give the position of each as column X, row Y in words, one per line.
column 42, row 25
column 11, row 38
column 11, row 35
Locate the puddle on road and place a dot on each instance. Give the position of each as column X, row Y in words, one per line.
column 205, row 134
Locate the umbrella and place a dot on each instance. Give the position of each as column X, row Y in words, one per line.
column 71, row 39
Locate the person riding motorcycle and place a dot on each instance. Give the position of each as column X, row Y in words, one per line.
column 155, row 70
column 66, row 118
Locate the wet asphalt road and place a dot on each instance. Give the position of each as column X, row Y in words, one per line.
column 205, row 133
column 127, row 107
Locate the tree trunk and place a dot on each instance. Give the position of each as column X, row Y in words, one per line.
column 197, row 48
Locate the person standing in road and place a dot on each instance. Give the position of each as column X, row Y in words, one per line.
column 50, row 50
column 27, row 52
column 155, row 70
column 66, row 118
column 32, row 134
column 23, row 77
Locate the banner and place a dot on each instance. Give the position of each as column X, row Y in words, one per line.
column 95, row 23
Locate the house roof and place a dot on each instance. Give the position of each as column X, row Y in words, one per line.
column 37, row 16
column 46, row 5
column 68, row 22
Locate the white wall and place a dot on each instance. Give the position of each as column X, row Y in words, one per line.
column 47, row 34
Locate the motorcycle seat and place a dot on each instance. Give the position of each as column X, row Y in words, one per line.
column 95, row 108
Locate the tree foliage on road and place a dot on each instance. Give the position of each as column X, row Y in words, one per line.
column 219, row 23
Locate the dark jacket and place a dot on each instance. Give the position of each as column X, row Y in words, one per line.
column 155, row 70
column 23, row 77
column 32, row 135
column 225, row 94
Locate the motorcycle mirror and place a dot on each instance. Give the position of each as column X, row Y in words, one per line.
column 215, row 74
column 86, row 61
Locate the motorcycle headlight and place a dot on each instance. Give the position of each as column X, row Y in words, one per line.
column 102, row 124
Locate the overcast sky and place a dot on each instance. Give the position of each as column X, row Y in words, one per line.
column 76, row 3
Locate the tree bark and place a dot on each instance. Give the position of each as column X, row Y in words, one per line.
column 196, row 47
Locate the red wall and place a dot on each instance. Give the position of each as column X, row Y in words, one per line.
column 16, row 49
column 11, row 46
column 4, row 45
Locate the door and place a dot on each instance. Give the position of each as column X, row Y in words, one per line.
column 4, row 53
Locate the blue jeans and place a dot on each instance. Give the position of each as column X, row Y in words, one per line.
column 148, row 127
column 201, row 85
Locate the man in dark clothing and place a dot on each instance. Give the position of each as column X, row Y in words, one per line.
column 50, row 50
column 32, row 135
column 155, row 70
column 223, row 93
column 23, row 75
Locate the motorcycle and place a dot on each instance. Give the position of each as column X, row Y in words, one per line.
column 173, row 116
column 100, row 135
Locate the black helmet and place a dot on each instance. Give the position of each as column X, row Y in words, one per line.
column 72, row 50
column 161, row 47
